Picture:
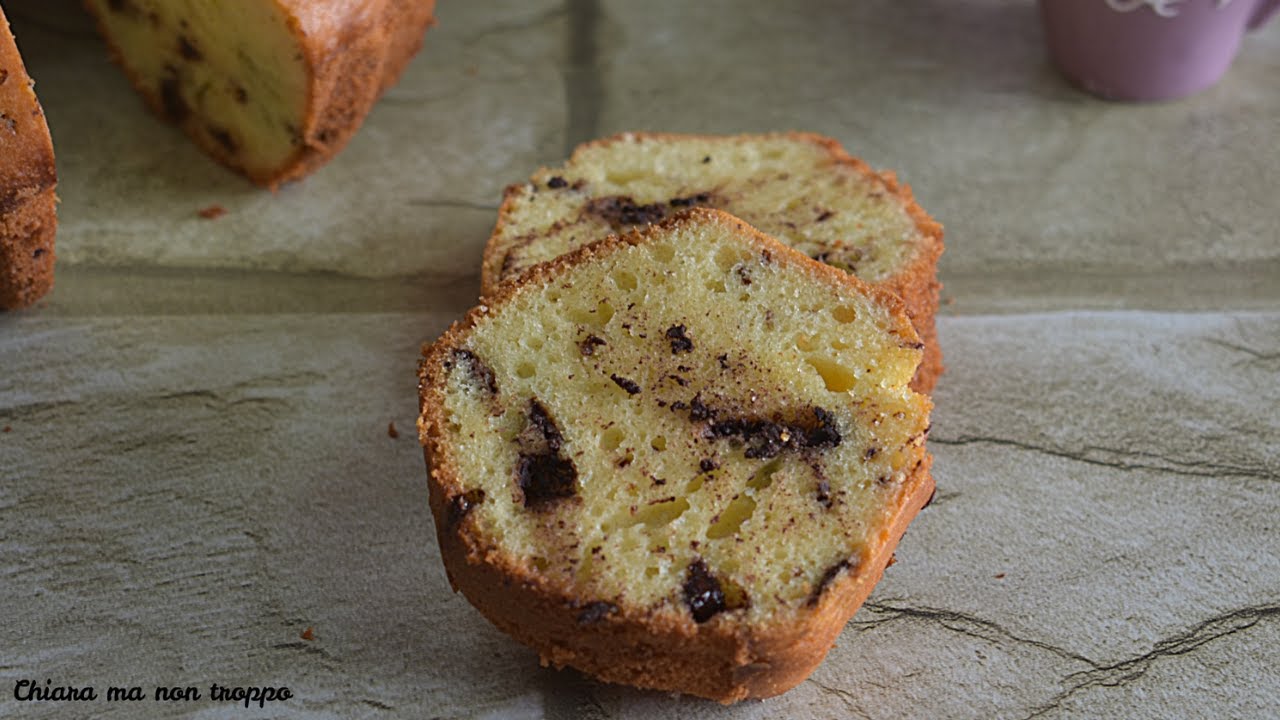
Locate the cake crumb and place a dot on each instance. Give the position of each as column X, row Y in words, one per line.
column 999, row 576
column 213, row 212
column 309, row 634
column 392, row 432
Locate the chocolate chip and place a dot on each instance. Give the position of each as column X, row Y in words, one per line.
column 629, row 385
column 479, row 371
column 768, row 438
column 702, row 592
column 187, row 50
column 828, row 577
column 698, row 199
column 544, row 478
column 825, row 433
column 588, row 346
column 622, row 210
column 175, row 106
column 824, row 493
column 462, row 504
column 541, row 419
column 680, row 342
column 706, row 159
column 706, row 465
column 595, row 612
column 557, row 182
column 698, row 410
column 224, row 139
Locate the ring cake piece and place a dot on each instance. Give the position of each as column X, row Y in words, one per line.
column 802, row 189
column 270, row 88
column 676, row 469
column 28, row 177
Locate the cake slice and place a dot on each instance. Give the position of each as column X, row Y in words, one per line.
column 802, row 189
column 28, row 218
column 270, row 88
column 678, row 459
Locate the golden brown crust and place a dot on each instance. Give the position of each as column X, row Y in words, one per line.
column 721, row 659
column 354, row 51
column 28, row 219
column 916, row 282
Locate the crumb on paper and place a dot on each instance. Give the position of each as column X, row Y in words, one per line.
column 213, row 212
column 893, row 560
column 309, row 634
column 392, row 432
column 8, row 428
column 999, row 576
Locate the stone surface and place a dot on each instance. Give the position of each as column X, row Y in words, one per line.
column 195, row 453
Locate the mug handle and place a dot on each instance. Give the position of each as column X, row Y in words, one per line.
column 1263, row 12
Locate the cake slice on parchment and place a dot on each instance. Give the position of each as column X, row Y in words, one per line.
column 28, row 178
column 801, row 188
column 270, row 88
column 678, row 459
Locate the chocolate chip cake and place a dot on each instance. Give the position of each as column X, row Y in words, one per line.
column 270, row 88
column 28, row 218
column 678, row 458
column 802, row 189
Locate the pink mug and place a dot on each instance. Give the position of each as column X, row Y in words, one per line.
column 1148, row 49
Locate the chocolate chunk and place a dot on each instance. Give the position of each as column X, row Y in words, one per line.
column 187, row 50
column 595, row 612
column 622, row 210
column 629, row 385
column 557, row 182
column 702, row 592
column 461, row 504
column 588, row 346
column 479, row 371
column 680, row 341
column 828, row 577
column 545, row 478
column 698, row 410
column 825, row 433
column 224, row 139
column 824, row 493
column 679, row 405
column 767, row 438
column 175, row 106
column 541, row 419
column 699, row 199
column 706, row 465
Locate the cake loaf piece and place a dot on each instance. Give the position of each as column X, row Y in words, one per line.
column 802, row 189
column 28, row 220
column 271, row 88
column 678, row 459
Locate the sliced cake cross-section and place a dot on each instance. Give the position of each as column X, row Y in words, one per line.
column 679, row 458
